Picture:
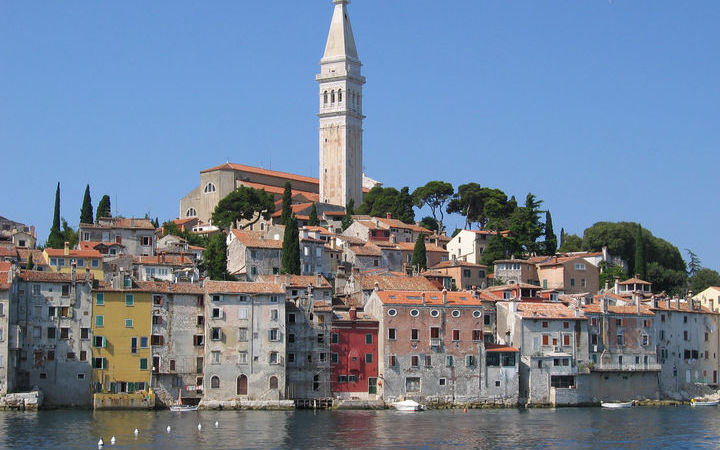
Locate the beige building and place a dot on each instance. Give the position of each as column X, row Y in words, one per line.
column 570, row 275
column 466, row 275
column 469, row 245
column 710, row 298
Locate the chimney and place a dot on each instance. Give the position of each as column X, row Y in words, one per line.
column 454, row 260
column 32, row 230
column 555, row 259
column 389, row 215
column 604, row 305
column 277, row 279
column 353, row 313
column 67, row 248
column 655, row 302
column 607, row 285
column 73, row 271
column 392, row 238
column 318, row 280
column 617, row 286
column 423, row 298
column 444, row 294
column 87, row 275
column 287, row 279
column 376, row 286
column 637, row 304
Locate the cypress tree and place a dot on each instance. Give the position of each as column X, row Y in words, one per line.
column 291, row 248
column 349, row 211
column 550, row 238
column 639, row 266
column 419, row 257
column 86, row 212
column 30, row 265
column 214, row 259
column 286, row 204
column 55, row 240
column 103, row 209
column 313, row 222
column 562, row 236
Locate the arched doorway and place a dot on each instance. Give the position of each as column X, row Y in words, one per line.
column 273, row 382
column 242, row 385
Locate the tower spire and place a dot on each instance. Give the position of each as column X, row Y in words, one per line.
column 340, row 41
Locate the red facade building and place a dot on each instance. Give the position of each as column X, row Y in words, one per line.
column 353, row 355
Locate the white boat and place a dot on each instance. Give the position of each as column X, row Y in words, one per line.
column 408, row 405
column 183, row 408
column 695, row 402
column 616, row 404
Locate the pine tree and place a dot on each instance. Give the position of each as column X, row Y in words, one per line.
column 103, row 208
column 55, row 239
column 86, row 212
column 313, row 222
column 639, row 266
column 291, row 248
column 550, row 238
column 419, row 257
column 286, row 204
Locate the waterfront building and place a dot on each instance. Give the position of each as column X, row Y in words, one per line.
column 7, row 364
column 500, row 378
column 245, row 341
column 354, row 355
column 137, row 235
column 51, row 314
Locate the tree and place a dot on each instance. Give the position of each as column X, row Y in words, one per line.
column 69, row 235
column 695, row 264
column 313, row 222
column 430, row 223
column 291, row 248
column 703, row 278
column 419, row 256
column 86, row 212
column 525, row 227
column 30, row 265
column 347, row 219
column 550, row 245
column 171, row 228
column 609, row 273
column 286, row 204
column 497, row 248
column 380, row 201
column 639, row 265
column 244, row 203
column 55, row 240
column 487, row 207
column 571, row 243
column 214, row 260
column 435, row 194
column 103, row 208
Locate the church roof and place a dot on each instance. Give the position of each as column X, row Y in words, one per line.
column 340, row 41
column 261, row 171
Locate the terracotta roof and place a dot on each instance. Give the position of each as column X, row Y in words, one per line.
column 256, row 239
column 433, row 297
column 369, row 224
column 195, row 247
column 260, row 171
column 318, row 229
column 278, row 190
column 507, row 286
column 50, row 277
column 684, row 307
column 92, row 245
column 5, row 266
column 631, row 310
column 635, row 281
column 448, row 264
column 490, row 347
column 395, row 223
column 558, row 261
column 58, row 252
column 242, row 287
column 366, row 250
column 7, row 252
column 166, row 287
column 184, row 220
column 37, row 256
column 394, row 283
column 334, row 213
column 4, row 283
column 297, row 281
column 538, row 310
column 350, row 239
column 429, row 247
column 520, row 261
column 160, row 260
column 121, row 222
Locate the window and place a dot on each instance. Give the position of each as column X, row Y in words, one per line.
column 368, row 338
column 392, row 312
column 191, row 212
column 243, row 357
column 412, row 384
column 618, row 322
column 392, row 334
column 566, row 339
column 566, row 324
column 572, row 281
column 99, row 363
column 646, row 339
column 492, row 359
column 273, row 314
column 129, row 300
column 414, row 312
column 65, row 290
column 334, row 338
column 215, row 382
column 392, row 362
column 83, row 355
column 449, row 361
column 99, row 341
column 456, row 313
column 215, row 357
column 200, row 321
column 133, row 345
column 579, row 266
column 198, row 340
column 143, row 342
column 50, row 333
column 215, row 333
column 477, row 314
column 36, row 289
column 466, row 273
column 334, row 358
column 273, row 334
column 157, row 300
column 291, row 318
column 143, row 364
column 156, row 339
column 51, row 311
column 216, row 313
column 321, row 338
column 209, row 188
column 470, row 361
column 544, row 324
column 455, row 335
column 415, row 361
column 545, row 339
column 274, row 358
column 243, row 335
column 476, row 335
column 84, row 333
column 620, row 339
column 368, row 357
column 128, row 323
column 434, row 313
column 172, row 365
column 562, row 381
column 685, row 336
column 156, row 320
column 99, row 321
column 414, row 334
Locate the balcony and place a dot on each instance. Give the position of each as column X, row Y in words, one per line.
column 435, row 342
column 629, row 367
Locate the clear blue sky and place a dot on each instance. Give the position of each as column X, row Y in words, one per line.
column 606, row 110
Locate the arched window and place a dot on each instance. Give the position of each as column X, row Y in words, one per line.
column 273, row 382
column 242, row 385
column 215, row 382
column 332, row 96
column 190, row 212
column 339, row 95
column 325, row 97
column 209, row 188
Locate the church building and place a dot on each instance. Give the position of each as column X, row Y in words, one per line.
column 340, row 137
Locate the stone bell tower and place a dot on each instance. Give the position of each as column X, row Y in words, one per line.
column 341, row 118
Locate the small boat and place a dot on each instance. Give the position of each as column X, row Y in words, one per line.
column 616, row 404
column 408, row 405
column 180, row 407
column 700, row 402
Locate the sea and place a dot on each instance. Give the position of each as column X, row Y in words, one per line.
column 638, row 427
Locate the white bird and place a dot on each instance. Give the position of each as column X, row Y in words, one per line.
column 136, row 432
column 199, row 427
column 112, row 440
column 100, row 443
column 216, row 424
column 168, row 428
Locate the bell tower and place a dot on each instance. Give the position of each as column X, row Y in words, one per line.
column 340, row 82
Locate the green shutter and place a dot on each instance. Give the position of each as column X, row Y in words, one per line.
column 99, row 299
column 99, row 321
column 129, row 300
column 143, row 363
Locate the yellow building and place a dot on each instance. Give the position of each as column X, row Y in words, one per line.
column 121, row 327
column 61, row 259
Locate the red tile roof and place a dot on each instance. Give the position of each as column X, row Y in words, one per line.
column 160, row 260
column 366, row 250
column 50, row 277
column 92, row 245
column 297, row 281
column 429, row 247
column 631, row 310
column 277, row 190
column 256, row 239
column 537, row 310
column 458, row 263
column 242, row 287
column 635, row 281
column 434, row 297
column 394, row 283
column 395, row 223
column 489, row 347
column 260, row 171
column 59, row 252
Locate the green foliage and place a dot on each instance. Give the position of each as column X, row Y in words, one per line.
column 69, row 235
column 419, row 256
column 55, row 239
column 103, row 208
column 703, row 278
column 313, row 222
column 350, row 207
column 171, row 228
column 86, row 212
column 571, row 243
column 30, row 264
column 435, row 194
column 380, row 201
column 244, row 203
column 550, row 245
column 639, row 265
column 347, row 219
column 498, row 248
column 430, row 223
column 155, row 222
column 666, row 279
column 455, row 232
column 525, row 227
column 291, row 248
column 214, row 260
column 609, row 273
column 286, row 204
column 487, row 207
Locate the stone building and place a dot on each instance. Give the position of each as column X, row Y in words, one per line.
column 709, row 298
column 137, row 235
column 245, row 335
column 253, row 253
column 516, row 271
column 500, row 379
column 53, row 345
column 429, row 345
column 7, row 364
column 571, row 275
column 165, row 268
column 465, row 275
column 354, row 355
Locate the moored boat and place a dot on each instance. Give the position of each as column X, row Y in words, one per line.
column 616, row 404
column 408, row 405
column 182, row 408
column 700, row 402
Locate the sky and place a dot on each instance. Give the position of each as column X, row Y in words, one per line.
column 607, row 110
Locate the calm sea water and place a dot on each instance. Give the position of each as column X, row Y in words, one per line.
column 545, row 428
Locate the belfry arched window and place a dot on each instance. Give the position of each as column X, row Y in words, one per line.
column 209, row 188
column 325, row 96
column 339, row 95
column 190, row 212
column 332, row 96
